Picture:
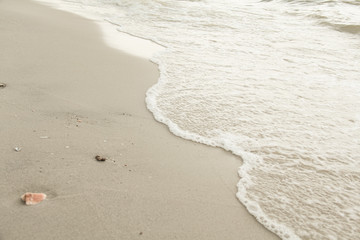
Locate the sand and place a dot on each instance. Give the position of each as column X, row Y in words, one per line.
column 70, row 97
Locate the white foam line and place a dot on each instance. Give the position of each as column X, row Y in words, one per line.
column 125, row 42
column 114, row 38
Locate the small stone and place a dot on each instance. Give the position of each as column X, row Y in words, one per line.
column 2, row 85
column 33, row 198
column 100, row 159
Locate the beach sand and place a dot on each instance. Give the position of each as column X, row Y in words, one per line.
column 68, row 98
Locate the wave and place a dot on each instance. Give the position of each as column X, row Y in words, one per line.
column 268, row 83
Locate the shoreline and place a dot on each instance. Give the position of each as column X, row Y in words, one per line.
column 114, row 38
column 64, row 83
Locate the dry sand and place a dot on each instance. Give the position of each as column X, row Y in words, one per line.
column 70, row 97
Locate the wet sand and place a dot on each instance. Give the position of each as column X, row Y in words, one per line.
column 70, row 97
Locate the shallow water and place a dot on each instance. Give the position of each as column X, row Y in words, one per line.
column 275, row 82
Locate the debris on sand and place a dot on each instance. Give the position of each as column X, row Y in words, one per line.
column 100, row 159
column 33, row 198
column 2, row 85
column 17, row 149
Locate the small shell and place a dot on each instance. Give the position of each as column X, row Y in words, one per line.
column 17, row 149
column 33, row 198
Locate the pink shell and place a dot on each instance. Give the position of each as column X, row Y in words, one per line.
column 33, row 198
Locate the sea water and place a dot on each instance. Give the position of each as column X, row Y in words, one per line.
column 274, row 82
